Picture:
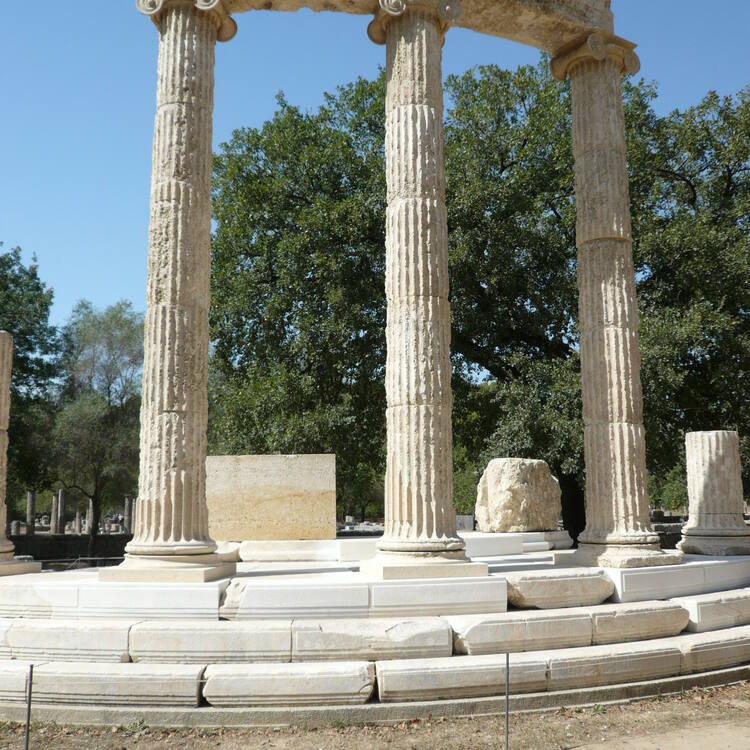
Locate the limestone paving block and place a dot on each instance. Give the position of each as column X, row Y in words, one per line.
column 517, row 494
column 550, row 589
column 715, row 650
column 299, row 684
column 459, row 677
column 372, row 639
column 118, row 684
column 612, row 664
column 70, row 640
column 719, row 610
column 520, row 631
column 618, row 623
column 203, row 642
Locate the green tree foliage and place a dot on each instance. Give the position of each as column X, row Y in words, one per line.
column 96, row 430
column 298, row 312
column 25, row 303
column 298, row 307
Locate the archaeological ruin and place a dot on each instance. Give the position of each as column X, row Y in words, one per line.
column 261, row 630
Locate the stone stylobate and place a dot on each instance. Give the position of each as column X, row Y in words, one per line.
column 171, row 520
column 420, row 536
column 617, row 530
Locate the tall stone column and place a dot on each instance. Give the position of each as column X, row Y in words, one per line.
column 8, row 566
column 420, row 536
column 128, row 515
column 54, row 514
column 618, row 532
column 715, row 523
column 30, row 513
column 171, row 519
column 60, row 511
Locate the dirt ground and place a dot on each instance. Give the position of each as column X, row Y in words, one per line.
column 703, row 718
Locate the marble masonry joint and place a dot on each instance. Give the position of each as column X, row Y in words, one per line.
column 226, row 26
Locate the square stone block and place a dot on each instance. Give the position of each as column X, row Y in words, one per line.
column 458, row 677
column 70, row 640
column 203, row 642
column 271, row 497
column 372, row 639
column 520, row 631
column 609, row 665
column 348, row 682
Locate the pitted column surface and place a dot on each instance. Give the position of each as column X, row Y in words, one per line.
column 714, row 476
column 171, row 516
column 617, row 530
column 419, row 513
column 6, row 368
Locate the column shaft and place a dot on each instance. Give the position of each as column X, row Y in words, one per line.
column 617, row 529
column 419, row 513
column 30, row 513
column 171, row 516
column 6, row 369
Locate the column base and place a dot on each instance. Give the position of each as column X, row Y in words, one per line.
column 387, row 566
column 719, row 545
column 623, row 556
column 169, row 569
column 18, row 567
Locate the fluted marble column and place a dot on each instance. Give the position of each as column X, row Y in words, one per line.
column 171, row 519
column 420, row 520
column 618, row 532
column 6, row 367
column 8, row 566
column 715, row 523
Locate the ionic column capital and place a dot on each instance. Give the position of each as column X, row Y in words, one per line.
column 226, row 26
column 597, row 46
column 447, row 11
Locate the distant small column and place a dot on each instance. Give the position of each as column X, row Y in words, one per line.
column 78, row 523
column 90, row 517
column 15, row 528
column 128, row 520
column 715, row 523
column 30, row 513
column 61, row 511
column 54, row 518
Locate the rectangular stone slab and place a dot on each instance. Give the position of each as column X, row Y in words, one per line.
column 202, row 642
column 70, row 640
column 713, row 611
column 520, row 631
column 618, row 623
column 609, row 665
column 13, row 679
column 715, row 650
column 349, row 682
column 458, row 677
column 271, row 497
column 377, row 638
column 118, row 684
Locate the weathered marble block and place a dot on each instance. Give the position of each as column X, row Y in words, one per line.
column 517, row 494
column 271, row 497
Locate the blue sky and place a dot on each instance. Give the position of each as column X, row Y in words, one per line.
column 78, row 84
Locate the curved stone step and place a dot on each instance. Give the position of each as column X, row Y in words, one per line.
column 723, row 609
column 289, row 684
column 564, row 587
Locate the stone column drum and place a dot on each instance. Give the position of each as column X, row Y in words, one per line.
column 30, row 513
column 714, row 477
column 171, row 520
column 420, row 522
column 8, row 566
column 618, row 532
